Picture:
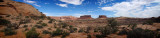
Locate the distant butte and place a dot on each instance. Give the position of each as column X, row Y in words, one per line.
column 86, row 17
column 102, row 17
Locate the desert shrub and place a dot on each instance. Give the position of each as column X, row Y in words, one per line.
column 46, row 32
column 39, row 22
column 4, row 22
column 133, row 25
column 26, row 16
column 51, row 20
column 49, row 29
column 9, row 31
column 64, row 34
column 25, row 29
column 140, row 33
column 108, row 30
column 25, row 26
column 57, row 32
column 88, row 36
column 24, row 21
column 70, row 26
column 32, row 34
column 38, row 26
column 38, row 17
column 8, row 15
column 1, row 16
column 88, row 29
column 158, row 35
column 148, row 22
column 122, row 32
column 64, row 25
column 81, row 30
column 44, row 24
column 99, row 36
column 112, row 22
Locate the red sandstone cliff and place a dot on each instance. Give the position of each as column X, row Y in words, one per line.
column 8, row 7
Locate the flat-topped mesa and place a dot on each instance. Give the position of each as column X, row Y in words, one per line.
column 85, row 17
column 102, row 17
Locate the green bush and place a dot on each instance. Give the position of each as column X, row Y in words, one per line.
column 148, row 22
column 57, row 32
column 32, row 34
column 64, row 34
column 46, row 32
column 49, row 29
column 107, row 30
column 112, row 22
column 44, row 24
column 140, row 33
column 8, row 15
column 9, row 31
column 133, row 25
column 38, row 26
column 26, row 29
column 122, row 32
column 4, row 22
column 51, row 20
column 25, row 26
column 39, row 22
column 26, row 16
column 88, row 36
column 99, row 36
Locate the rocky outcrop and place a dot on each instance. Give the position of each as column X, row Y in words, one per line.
column 9, row 7
column 102, row 17
column 85, row 17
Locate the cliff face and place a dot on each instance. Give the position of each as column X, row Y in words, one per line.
column 8, row 7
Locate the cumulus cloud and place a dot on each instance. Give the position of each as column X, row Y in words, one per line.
column 74, row 2
column 135, row 8
column 62, row 5
column 32, row 2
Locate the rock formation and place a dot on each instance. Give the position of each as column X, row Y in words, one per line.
column 102, row 17
column 9, row 7
column 85, row 17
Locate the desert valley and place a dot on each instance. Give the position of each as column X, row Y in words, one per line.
column 21, row 20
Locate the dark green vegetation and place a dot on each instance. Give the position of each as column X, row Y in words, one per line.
column 140, row 33
column 9, row 31
column 4, row 22
column 46, row 32
column 60, row 32
column 32, row 34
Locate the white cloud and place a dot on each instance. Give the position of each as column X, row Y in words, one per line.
column 135, row 8
column 62, row 5
column 74, row 2
column 29, row 1
column 32, row 2
column 103, row 1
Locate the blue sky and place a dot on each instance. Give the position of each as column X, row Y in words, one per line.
column 110, row 8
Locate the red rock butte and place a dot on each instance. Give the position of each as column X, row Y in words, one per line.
column 85, row 17
column 102, row 16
